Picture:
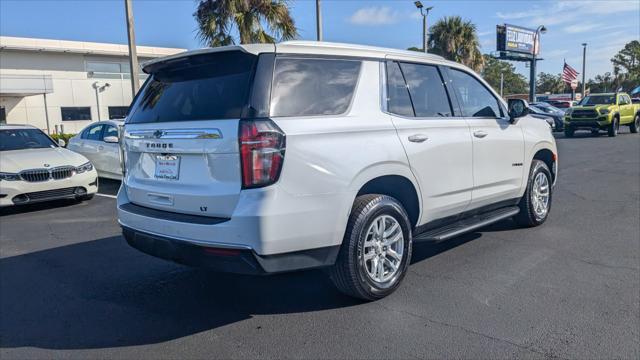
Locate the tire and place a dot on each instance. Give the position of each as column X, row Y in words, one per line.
column 85, row 197
column 529, row 216
column 635, row 125
column 568, row 132
column 351, row 272
column 612, row 131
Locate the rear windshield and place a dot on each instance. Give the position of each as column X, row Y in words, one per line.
column 199, row 87
column 20, row 139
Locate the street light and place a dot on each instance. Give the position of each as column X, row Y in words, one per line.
column 99, row 87
column 424, row 14
column 584, row 61
column 532, row 75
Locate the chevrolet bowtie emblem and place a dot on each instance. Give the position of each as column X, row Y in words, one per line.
column 158, row 134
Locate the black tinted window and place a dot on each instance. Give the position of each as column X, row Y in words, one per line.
column 475, row 99
column 93, row 133
column 200, row 87
column 75, row 113
column 118, row 112
column 398, row 100
column 303, row 87
column 19, row 139
column 427, row 90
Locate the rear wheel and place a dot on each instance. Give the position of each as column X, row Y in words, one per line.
column 635, row 125
column 614, row 127
column 536, row 201
column 376, row 249
column 568, row 132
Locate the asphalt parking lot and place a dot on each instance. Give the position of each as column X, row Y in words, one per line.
column 70, row 287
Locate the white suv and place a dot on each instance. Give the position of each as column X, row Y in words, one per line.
column 384, row 148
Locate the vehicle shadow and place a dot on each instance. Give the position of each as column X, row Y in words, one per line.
column 102, row 294
column 20, row 209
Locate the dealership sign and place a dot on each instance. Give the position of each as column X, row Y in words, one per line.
column 516, row 39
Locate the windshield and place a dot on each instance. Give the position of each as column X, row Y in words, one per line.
column 204, row 87
column 20, row 139
column 599, row 100
column 547, row 109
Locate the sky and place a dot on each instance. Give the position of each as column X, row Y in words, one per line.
column 606, row 25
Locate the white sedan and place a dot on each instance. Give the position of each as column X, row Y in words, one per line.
column 33, row 168
column 99, row 143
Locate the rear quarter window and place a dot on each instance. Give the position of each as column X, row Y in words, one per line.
column 307, row 87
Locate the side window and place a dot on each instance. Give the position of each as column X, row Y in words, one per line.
column 306, row 87
column 94, row 133
column 398, row 100
column 110, row 131
column 475, row 99
column 427, row 90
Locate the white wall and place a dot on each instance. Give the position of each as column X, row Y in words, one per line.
column 71, row 87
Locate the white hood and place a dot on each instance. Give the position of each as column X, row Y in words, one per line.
column 14, row 161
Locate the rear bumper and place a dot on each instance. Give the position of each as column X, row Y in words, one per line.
column 230, row 259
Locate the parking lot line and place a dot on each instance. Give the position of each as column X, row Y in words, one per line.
column 106, row 195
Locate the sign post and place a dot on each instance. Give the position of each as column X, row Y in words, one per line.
column 574, row 86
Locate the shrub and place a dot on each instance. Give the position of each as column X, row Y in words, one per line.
column 64, row 137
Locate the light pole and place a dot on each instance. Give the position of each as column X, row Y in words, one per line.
column 532, row 75
column 99, row 88
column 424, row 14
column 318, row 20
column 584, row 61
column 133, row 54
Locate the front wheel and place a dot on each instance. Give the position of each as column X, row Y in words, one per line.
column 536, row 201
column 613, row 128
column 376, row 249
column 635, row 125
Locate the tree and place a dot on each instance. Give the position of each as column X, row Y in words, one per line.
column 456, row 40
column 626, row 65
column 219, row 19
column 514, row 83
column 549, row 83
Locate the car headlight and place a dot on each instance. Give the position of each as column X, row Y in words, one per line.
column 9, row 176
column 604, row 111
column 84, row 167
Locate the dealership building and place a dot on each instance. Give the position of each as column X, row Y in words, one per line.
column 56, row 84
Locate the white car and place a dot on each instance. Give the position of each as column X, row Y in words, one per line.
column 98, row 142
column 33, row 168
column 272, row 158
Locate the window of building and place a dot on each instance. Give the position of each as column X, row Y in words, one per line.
column 118, row 112
column 426, row 87
column 75, row 113
column 305, row 87
column 104, row 67
column 398, row 100
column 475, row 99
column 3, row 115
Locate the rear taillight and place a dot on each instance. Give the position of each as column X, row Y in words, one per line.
column 262, row 146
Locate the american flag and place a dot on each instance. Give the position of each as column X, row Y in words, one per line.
column 568, row 73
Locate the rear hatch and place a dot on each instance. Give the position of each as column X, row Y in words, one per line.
column 181, row 136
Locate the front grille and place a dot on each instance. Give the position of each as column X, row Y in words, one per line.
column 39, row 175
column 45, row 195
column 584, row 114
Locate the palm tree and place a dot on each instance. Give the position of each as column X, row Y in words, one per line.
column 457, row 40
column 218, row 19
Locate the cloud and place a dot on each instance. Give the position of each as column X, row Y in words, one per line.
column 581, row 27
column 566, row 11
column 374, row 15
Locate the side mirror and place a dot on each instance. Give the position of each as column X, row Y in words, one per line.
column 111, row 139
column 517, row 109
column 62, row 143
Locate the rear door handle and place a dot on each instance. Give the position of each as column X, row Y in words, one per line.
column 418, row 138
column 480, row 134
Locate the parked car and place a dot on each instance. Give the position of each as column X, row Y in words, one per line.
column 99, row 143
column 603, row 112
column 272, row 158
column 34, row 168
column 556, row 115
column 561, row 104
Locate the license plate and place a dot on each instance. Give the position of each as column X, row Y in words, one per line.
column 167, row 167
